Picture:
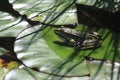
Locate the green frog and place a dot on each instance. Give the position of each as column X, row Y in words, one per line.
column 78, row 39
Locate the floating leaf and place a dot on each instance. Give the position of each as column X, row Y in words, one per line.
column 56, row 62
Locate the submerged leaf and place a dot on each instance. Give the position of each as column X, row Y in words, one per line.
column 8, row 61
column 90, row 15
column 8, row 43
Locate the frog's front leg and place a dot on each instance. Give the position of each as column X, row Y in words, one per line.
column 78, row 44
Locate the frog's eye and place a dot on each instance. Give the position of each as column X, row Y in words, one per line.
column 60, row 29
column 65, row 29
column 95, row 33
column 72, row 40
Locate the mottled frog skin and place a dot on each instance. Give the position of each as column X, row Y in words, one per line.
column 79, row 39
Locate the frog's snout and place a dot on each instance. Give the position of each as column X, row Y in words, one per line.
column 57, row 32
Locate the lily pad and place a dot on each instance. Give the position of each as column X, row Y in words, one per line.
column 107, row 51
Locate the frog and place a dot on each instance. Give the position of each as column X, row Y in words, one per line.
column 78, row 39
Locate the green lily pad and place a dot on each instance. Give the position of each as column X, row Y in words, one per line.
column 109, row 49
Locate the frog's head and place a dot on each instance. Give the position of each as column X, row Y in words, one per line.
column 61, row 32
